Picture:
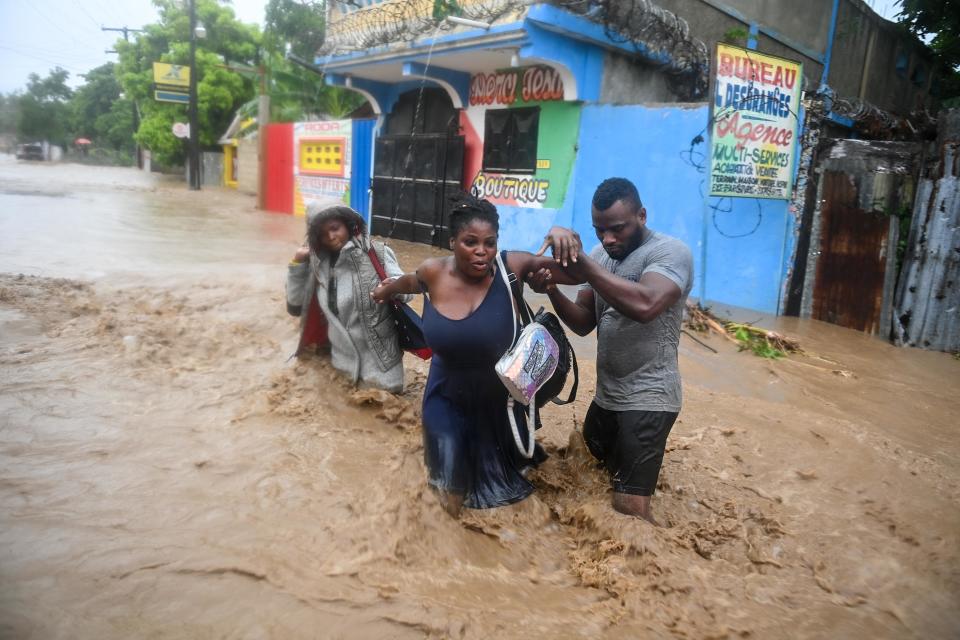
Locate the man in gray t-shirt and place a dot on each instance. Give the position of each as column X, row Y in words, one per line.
column 637, row 282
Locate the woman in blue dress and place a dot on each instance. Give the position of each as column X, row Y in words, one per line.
column 468, row 322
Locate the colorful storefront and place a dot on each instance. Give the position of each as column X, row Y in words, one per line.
column 321, row 161
column 531, row 106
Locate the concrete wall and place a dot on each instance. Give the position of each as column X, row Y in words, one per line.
column 807, row 23
column 248, row 167
column 627, row 81
column 211, row 170
column 865, row 47
column 864, row 64
column 740, row 246
column 711, row 20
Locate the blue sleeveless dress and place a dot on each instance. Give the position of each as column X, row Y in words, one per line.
column 468, row 445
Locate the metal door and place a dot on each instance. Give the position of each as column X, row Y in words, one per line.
column 413, row 179
column 851, row 268
column 863, row 189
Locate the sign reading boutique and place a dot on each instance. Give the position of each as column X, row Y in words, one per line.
column 753, row 137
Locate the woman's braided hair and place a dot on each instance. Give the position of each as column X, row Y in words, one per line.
column 466, row 208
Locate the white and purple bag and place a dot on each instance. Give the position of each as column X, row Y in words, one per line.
column 525, row 367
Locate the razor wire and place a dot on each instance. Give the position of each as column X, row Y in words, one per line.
column 658, row 36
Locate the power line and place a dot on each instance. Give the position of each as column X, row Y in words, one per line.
column 86, row 13
column 47, row 60
column 46, row 51
column 52, row 23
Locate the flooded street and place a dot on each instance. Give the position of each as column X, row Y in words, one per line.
column 166, row 471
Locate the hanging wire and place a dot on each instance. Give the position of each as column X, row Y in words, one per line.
column 408, row 160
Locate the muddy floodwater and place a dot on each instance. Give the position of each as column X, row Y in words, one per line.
column 167, row 471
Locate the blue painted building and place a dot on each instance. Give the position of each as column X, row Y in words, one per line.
column 532, row 106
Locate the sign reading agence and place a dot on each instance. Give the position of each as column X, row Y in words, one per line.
column 753, row 137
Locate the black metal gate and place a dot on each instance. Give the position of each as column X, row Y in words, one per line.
column 413, row 179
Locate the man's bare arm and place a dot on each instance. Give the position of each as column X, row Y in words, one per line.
column 641, row 301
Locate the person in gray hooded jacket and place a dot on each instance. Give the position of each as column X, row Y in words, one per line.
column 334, row 269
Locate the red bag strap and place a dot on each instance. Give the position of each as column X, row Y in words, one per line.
column 377, row 266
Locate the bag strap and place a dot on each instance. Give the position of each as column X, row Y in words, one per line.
column 513, row 283
column 576, row 379
column 377, row 265
column 502, row 268
column 526, row 452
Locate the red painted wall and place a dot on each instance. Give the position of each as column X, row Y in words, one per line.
column 472, row 151
column 278, row 186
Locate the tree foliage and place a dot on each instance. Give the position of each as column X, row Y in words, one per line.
column 100, row 112
column 299, row 23
column 229, row 61
column 220, row 92
column 44, row 110
column 297, row 93
column 939, row 19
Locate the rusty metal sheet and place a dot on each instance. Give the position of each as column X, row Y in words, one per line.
column 852, row 264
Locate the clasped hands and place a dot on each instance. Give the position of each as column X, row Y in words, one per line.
column 566, row 247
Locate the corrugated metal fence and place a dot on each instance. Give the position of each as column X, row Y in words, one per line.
column 927, row 303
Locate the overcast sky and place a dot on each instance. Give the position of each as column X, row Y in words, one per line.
column 37, row 35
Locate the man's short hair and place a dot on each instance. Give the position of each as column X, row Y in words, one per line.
column 613, row 189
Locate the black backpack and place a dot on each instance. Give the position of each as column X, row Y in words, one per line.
column 567, row 358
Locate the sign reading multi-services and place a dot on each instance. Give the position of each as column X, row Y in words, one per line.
column 753, row 137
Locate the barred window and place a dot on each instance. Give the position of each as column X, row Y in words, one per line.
column 510, row 140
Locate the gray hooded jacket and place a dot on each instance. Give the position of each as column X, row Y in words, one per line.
column 363, row 338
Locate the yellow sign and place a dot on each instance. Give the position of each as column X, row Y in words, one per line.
column 171, row 75
column 754, row 133
column 322, row 156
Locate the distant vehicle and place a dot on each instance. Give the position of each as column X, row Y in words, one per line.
column 30, row 151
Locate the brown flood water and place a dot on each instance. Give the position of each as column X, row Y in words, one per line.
column 167, row 472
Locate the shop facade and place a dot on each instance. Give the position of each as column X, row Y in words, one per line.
column 532, row 110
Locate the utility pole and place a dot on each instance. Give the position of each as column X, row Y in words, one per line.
column 194, row 151
column 136, row 119
column 263, row 119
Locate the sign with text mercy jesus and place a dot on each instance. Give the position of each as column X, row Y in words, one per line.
column 756, row 99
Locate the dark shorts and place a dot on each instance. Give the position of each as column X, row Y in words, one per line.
column 630, row 444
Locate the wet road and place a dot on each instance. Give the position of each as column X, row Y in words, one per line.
column 166, row 472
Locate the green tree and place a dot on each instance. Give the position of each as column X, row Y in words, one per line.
column 299, row 23
column 220, row 91
column 297, row 93
column 99, row 111
column 44, row 110
column 939, row 19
